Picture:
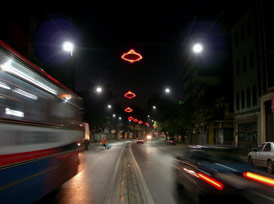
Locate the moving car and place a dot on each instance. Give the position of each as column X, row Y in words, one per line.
column 140, row 140
column 171, row 141
column 217, row 174
column 263, row 156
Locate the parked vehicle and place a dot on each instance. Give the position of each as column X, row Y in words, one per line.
column 263, row 156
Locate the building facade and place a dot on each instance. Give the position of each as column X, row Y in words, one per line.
column 252, row 84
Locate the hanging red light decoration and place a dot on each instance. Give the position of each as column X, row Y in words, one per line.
column 147, row 124
column 135, row 120
column 131, row 56
column 140, row 122
column 129, row 95
column 128, row 110
column 130, row 118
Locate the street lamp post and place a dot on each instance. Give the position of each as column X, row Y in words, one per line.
column 68, row 47
column 197, row 48
column 71, row 71
column 167, row 90
column 99, row 89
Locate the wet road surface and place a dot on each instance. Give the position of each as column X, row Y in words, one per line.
column 107, row 174
column 92, row 183
column 155, row 160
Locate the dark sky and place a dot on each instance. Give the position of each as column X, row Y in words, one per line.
column 102, row 35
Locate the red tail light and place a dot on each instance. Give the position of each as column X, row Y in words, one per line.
column 211, row 181
column 259, row 178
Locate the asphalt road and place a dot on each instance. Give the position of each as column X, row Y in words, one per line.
column 97, row 172
column 155, row 160
column 92, row 183
column 103, row 175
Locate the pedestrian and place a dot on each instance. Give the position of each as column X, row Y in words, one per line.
column 104, row 142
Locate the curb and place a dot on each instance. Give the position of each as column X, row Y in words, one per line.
column 113, row 197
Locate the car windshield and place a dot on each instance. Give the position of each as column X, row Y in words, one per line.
column 120, row 105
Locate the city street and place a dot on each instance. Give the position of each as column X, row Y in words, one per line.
column 182, row 99
column 100, row 176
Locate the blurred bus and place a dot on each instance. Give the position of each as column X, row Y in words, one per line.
column 40, row 126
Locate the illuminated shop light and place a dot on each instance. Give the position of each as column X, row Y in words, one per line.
column 26, row 94
column 132, row 56
column 14, row 113
column 8, row 68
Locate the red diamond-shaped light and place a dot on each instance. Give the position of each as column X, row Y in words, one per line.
column 128, row 110
column 129, row 95
column 131, row 56
column 130, row 118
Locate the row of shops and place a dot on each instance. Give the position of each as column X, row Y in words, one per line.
column 248, row 129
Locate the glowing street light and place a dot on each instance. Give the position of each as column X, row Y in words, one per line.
column 114, row 115
column 197, row 48
column 68, row 47
column 154, row 107
column 120, row 118
column 167, row 90
column 99, row 89
column 109, row 106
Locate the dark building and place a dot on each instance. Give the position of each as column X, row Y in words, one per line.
column 246, row 82
column 208, row 90
column 252, row 50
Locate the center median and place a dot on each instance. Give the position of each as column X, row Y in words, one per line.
column 132, row 185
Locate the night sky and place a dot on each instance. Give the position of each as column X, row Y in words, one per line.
column 101, row 36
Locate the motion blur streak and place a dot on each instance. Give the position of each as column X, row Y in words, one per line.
column 193, row 173
column 259, row 178
column 8, row 68
column 211, row 181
